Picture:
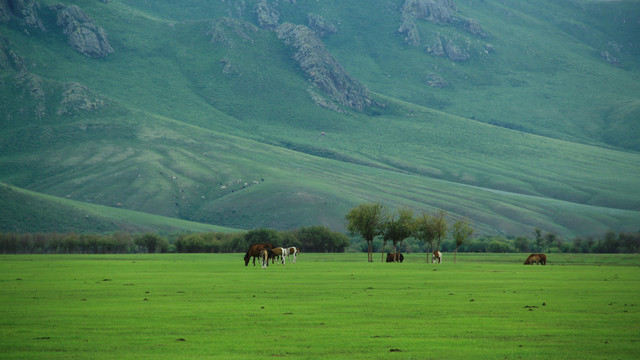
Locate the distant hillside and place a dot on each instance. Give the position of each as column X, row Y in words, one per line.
column 281, row 114
column 25, row 211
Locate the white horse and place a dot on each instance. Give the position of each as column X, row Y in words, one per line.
column 285, row 253
column 437, row 257
column 293, row 251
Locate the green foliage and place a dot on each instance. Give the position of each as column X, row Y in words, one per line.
column 519, row 139
column 320, row 239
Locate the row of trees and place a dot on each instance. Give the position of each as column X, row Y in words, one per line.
column 375, row 220
column 311, row 239
column 428, row 232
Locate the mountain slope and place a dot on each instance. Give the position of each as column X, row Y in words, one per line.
column 204, row 113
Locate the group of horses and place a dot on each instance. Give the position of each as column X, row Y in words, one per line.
column 266, row 252
column 398, row 257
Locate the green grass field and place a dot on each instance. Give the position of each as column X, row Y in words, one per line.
column 178, row 306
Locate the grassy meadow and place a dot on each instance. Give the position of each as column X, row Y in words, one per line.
column 196, row 306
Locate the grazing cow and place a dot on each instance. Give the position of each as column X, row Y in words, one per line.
column 293, row 251
column 437, row 257
column 540, row 259
column 254, row 251
column 391, row 257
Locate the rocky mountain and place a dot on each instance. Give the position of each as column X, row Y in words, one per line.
column 282, row 113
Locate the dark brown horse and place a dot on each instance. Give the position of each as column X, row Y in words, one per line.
column 536, row 259
column 391, row 257
column 254, row 251
column 276, row 254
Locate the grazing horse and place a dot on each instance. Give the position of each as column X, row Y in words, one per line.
column 254, row 251
column 285, row 253
column 264, row 257
column 293, row 251
column 391, row 257
column 275, row 253
column 536, row 259
column 436, row 257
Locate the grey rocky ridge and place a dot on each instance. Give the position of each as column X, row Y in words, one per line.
column 82, row 33
column 324, row 71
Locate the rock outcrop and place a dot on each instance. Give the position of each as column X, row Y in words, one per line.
column 320, row 26
column 77, row 98
column 227, row 31
column 324, row 71
column 436, row 81
column 268, row 17
column 445, row 46
column 441, row 12
column 9, row 59
column 83, row 35
column 24, row 11
column 31, row 85
column 436, row 11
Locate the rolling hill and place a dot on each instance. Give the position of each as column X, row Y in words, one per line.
column 283, row 114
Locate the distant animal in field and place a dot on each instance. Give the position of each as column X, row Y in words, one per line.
column 264, row 257
column 284, row 255
column 276, row 254
column 436, row 257
column 540, row 259
column 391, row 257
column 293, row 251
column 254, row 252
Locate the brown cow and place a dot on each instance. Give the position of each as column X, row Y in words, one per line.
column 536, row 259
column 391, row 257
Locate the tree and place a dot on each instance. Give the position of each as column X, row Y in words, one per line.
column 439, row 227
column 366, row 220
column 262, row 236
column 538, row 234
column 424, row 231
column 397, row 228
column 461, row 232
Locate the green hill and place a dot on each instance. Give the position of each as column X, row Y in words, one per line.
column 283, row 114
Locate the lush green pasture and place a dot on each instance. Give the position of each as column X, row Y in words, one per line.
column 326, row 306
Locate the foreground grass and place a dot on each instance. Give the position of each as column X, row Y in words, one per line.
column 325, row 306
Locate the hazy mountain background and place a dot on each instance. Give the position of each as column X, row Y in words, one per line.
column 263, row 113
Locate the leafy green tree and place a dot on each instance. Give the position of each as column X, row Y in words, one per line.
column 150, row 242
column 397, row 228
column 425, row 231
column 262, row 236
column 461, row 232
column 320, row 239
column 521, row 244
column 366, row 220
column 538, row 234
column 440, row 227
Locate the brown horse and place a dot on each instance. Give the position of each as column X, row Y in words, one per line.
column 254, row 251
column 276, row 254
column 391, row 257
column 536, row 259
